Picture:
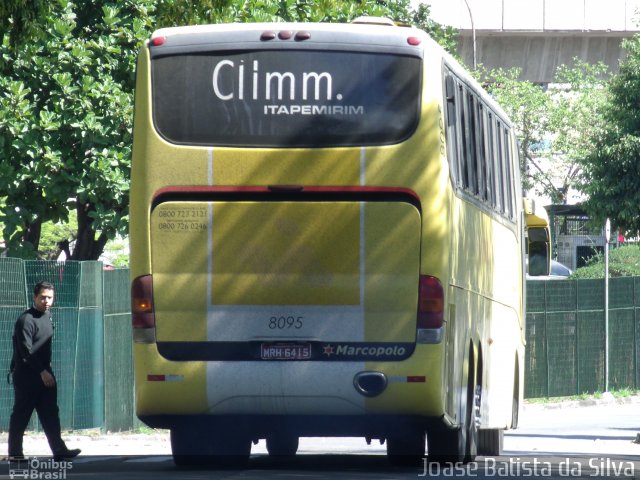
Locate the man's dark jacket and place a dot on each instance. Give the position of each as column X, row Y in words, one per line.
column 32, row 342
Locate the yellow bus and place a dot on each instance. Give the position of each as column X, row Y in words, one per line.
column 326, row 240
column 538, row 242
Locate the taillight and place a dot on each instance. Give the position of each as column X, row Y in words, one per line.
column 142, row 313
column 430, row 303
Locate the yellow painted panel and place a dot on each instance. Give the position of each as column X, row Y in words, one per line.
column 411, row 398
column 179, row 236
column 392, row 271
column 286, row 166
column 286, row 253
column 185, row 394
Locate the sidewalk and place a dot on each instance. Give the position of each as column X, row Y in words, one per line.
column 606, row 399
column 94, row 442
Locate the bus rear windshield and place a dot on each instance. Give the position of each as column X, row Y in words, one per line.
column 286, row 98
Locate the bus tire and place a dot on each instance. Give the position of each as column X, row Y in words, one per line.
column 473, row 421
column 458, row 444
column 406, row 449
column 446, row 445
column 515, row 406
column 282, row 445
column 490, row 442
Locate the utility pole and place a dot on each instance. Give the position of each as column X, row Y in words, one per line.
column 607, row 236
column 473, row 35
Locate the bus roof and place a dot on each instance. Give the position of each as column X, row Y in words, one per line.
column 535, row 215
column 387, row 38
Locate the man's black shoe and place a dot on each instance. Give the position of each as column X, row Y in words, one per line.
column 66, row 454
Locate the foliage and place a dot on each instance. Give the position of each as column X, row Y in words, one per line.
column 116, row 253
column 22, row 18
column 66, row 105
column 611, row 167
column 187, row 12
column 624, row 261
column 55, row 236
column 553, row 125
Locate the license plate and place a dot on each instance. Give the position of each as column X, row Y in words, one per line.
column 285, row 351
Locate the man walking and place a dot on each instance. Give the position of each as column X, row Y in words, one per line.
column 33, row 380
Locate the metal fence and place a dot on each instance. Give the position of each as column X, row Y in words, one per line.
column 93, row 349
column 566, row 336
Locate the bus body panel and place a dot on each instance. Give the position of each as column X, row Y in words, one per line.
column 302, row 271
column 285, row 388
column 349, row 268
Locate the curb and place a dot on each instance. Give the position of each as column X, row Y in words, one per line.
column 606, row 399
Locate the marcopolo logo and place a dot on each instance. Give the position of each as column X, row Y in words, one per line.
column 34, row 468
column 363, row 351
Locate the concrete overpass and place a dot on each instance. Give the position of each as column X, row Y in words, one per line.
column 539, row 35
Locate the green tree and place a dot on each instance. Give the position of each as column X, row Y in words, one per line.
column 22, row 19
column 186, row 12
column 610, row 169
column 66, row 104
column 54, row 238
column 624, row 261
column 553, row 125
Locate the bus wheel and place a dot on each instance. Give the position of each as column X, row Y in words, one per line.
column 457, row 444
column 282, row 445
column 446, row 445
column 196, row 447
column 406, row 449
column 473, row 422
column 490, row 442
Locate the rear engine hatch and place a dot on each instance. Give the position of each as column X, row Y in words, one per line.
column 286, row 279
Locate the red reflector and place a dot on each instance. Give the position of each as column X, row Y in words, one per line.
column 303, row 36
column 155, row 378
column 142, row 313
column 268, row 35
column 417, row 379
column 157, row 41
column 285, row 35
column 430, row 303
column 414, row 41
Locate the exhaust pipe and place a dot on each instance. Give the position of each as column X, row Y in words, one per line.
column 370, row 384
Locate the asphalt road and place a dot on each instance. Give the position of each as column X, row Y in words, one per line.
column 575, row 441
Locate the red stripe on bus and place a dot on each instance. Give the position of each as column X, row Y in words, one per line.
column 279, row 188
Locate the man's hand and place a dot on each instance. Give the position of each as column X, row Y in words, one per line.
column 47, row 379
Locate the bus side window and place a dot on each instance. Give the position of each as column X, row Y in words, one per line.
column 463, row 123
column 481, row 165
column 452, row 128
column 470, row 139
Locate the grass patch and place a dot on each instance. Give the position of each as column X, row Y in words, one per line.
column 619, row 393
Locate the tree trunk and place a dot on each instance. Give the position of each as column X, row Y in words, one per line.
column 87, row 246
column 31, row 234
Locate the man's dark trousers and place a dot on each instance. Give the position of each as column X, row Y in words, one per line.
column 31, row 394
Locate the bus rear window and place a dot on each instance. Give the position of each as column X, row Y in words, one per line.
column 286, row 98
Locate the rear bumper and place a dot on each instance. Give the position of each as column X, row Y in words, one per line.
column 261, row 426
